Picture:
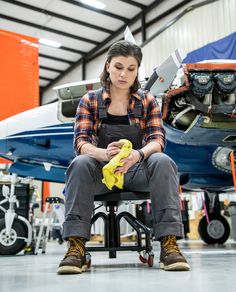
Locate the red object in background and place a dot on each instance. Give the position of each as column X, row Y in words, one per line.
column 5, row 161
column 45, row 193
column 19, row 74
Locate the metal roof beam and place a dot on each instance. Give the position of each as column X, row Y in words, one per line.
column 169, row 11
column 103, row 12
column 48, row 12
column 45, row 78
column 50, row 69
column 55, row 59
column 48, row 29
column 137, row 4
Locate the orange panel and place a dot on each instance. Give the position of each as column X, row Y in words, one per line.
column 19, row 74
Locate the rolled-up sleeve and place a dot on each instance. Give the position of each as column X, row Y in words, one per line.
column 84, row 125
column 154, row 127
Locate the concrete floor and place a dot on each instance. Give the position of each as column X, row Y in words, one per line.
column 212, row 270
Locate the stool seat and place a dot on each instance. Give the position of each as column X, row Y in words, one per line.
column 122, row 196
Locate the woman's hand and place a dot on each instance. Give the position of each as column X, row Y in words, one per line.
column 113, row 149
column 128, row 162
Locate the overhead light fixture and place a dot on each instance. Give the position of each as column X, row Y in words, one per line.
column 49, row 43
column 94, row 3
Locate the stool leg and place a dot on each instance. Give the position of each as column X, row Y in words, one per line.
column 112, row 241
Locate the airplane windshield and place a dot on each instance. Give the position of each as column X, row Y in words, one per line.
column 69, row 96
column 68, row 108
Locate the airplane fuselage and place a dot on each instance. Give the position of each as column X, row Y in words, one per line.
column 41, row 146
column 198, row 111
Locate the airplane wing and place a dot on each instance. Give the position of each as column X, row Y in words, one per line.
column 163, row 76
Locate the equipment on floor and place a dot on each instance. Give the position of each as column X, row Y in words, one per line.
column 53, row 216
column 15, row 230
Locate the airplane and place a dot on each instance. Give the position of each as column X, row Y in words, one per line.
column 198, row 107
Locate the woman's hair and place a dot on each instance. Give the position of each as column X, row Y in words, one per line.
column 126, row 49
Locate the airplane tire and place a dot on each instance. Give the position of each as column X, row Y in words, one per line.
column 217, row 231
column 12, row 244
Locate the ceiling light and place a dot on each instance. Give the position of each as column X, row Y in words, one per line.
column 50, row 43
column 94, row 3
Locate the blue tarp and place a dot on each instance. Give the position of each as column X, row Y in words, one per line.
column 224, row 48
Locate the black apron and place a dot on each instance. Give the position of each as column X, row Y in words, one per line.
column 114, row 132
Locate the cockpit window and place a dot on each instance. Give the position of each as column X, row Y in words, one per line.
column 68, row 108
column 69, row 96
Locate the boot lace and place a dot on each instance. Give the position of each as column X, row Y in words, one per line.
column 76, row 246
column 169, row 244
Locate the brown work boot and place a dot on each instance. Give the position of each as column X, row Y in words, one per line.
column 74, row 261
column 171, row 259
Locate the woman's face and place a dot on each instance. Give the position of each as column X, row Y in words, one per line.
column 123, row 71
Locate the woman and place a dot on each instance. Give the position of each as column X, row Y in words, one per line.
column 120, row 111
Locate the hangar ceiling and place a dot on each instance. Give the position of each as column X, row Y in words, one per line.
column 81, row 29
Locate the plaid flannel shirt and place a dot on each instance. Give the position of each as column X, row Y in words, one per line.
column 87, row 121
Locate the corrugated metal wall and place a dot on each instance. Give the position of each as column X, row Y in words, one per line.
column 195, row 29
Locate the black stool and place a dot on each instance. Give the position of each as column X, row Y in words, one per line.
column 112, row 242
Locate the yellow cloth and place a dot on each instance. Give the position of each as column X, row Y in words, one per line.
column 110, row 178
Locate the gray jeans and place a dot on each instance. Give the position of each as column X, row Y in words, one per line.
column 157, row 174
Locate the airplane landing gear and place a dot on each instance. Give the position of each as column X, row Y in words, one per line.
column 216, row 231
column 15, row 230
column 14, row 241
column 213, row 227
